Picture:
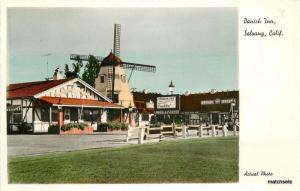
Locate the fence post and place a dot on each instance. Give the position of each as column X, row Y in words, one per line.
column 224, row 130
column 141, row 135
column 128, row 134
column 200, row 131
column 213, row 130
column 184, row 131
column 234, row 130
column 174, row 129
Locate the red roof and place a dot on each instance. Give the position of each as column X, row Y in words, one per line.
column 78, row 102
column 110, row 59
column 30, row 89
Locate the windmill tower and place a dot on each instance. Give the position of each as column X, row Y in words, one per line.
column 112, row 77
column 112, row 80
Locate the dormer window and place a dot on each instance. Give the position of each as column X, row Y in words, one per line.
column 123, row 78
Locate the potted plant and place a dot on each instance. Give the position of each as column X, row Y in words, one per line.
column 124, row 127
column 116, row 126
column 109, row 126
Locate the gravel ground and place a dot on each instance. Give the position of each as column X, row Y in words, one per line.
column 21, row 145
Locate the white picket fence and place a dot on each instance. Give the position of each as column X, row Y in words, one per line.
column 142, row 133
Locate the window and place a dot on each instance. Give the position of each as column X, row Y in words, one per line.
column 73, row 114
column 45, row 114
column 54, row 114
column 90, row 115
column 123, row 78
column 67, row 114
column 17, row 117
column 102, row 79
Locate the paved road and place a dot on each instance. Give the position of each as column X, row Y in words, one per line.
column 20, row 145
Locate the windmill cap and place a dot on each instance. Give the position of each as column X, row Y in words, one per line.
column 110, row 59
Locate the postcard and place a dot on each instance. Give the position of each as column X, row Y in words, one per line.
column 186, row 95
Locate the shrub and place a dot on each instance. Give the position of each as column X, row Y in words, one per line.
column 24, row 127
column 111, row 125
column 116, row 126
column 69, row 126
column 53, row 129
column 124, row 126
column 103, row 126
column 178, row 120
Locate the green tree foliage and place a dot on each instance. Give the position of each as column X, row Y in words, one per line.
column 76, row 69
column 91, row 71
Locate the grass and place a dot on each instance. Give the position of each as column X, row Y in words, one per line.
column 181, row 161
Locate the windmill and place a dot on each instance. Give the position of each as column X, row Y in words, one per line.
column 112, row 68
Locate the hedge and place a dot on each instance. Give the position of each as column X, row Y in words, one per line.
column 69, row 126
column 112, row 125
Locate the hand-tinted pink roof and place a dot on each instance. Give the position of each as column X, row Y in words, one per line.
column 30, row 89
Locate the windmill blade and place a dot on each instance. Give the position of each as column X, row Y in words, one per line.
column 117, row 37
column 139, row 67
column 84, row 57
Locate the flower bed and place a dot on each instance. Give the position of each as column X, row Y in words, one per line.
column 76, row 129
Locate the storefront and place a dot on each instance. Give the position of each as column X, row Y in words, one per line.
column 208, row 108
column 45, row 103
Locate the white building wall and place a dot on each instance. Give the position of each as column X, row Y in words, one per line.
column 40, row 127
column 104, row 116
column 16, row 102
column 27, row 117
column 70, row 90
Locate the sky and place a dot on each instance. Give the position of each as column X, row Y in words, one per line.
column 196, row 48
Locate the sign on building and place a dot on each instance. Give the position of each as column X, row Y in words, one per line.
column 217, row 101
column 168, row 104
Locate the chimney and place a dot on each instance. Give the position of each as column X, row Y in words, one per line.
column 57, row 75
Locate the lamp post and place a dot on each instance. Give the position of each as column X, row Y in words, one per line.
column 130, row 110
column 232, row 110
column 233, row 118
column 171, row 88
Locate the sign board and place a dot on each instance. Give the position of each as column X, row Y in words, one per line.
column 217, row 101
column 168, row 104
column 167, row 112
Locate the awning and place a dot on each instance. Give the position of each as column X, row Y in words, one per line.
column 73, row 102
column 14, row 108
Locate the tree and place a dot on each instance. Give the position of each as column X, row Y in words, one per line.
column 91, row 71
column 76, row 69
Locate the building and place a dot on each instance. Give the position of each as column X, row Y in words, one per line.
column 104, row 81
column 144, row 103
column 58, row 101
column 212, row 107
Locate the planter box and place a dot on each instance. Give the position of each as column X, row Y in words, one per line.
column 114, row 130
column 75, row 131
